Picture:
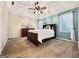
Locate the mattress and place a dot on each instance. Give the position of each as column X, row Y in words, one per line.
column 42, row 34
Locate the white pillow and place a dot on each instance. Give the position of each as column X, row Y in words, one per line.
column 47, row 27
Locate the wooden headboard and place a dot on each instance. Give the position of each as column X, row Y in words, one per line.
column 51, row 25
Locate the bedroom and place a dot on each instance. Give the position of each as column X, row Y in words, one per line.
column 23, row 29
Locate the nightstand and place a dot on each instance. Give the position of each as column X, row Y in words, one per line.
column 24, row 31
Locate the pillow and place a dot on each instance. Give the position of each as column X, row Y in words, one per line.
column 52, row 28
column 47, row 27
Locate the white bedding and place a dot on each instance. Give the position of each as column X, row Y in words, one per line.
column 42, row 34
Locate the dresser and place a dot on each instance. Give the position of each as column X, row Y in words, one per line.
column 24, row 31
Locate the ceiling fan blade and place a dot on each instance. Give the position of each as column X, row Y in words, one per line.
column 34, row 12
column 41, row 12
column 43, row 8
column 31, row 8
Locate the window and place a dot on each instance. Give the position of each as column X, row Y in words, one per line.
column 66, row 22
column 41, row 24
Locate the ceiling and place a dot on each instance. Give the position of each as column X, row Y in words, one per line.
column 20, row 8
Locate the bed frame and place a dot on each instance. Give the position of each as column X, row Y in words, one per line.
column 33, row 37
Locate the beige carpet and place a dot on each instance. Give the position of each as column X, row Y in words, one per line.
column 54, row 48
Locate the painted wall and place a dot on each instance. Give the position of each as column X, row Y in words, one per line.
column 50, row 19
column 3, row 25
column 0, row 28
column 15, row 24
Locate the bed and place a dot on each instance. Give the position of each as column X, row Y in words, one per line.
column 39, row 36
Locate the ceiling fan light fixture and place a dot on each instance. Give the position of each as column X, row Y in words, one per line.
column 37, row 9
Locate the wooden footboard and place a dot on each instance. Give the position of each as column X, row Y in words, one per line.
column 33, row 37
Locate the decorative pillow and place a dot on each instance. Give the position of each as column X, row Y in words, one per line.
column 47, row 27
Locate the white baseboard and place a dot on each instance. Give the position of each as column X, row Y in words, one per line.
column 67, row 40
column 13, row 36
column 3, row 47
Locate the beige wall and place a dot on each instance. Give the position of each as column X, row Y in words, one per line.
column 0, row 28
column 15, row 26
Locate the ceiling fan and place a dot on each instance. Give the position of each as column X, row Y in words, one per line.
column 37, row 8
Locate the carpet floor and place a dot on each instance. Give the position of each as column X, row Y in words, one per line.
column 54, row 48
